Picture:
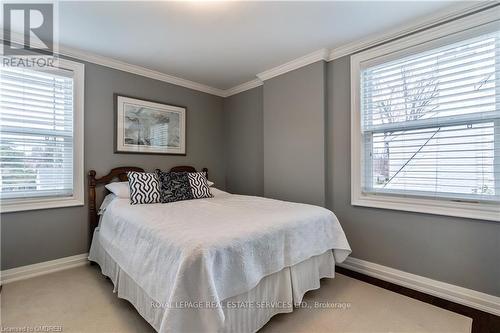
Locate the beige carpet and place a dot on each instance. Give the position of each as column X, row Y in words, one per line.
column 81, row 300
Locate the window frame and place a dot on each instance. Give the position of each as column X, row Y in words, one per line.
column 77, row 199
column 449, row 33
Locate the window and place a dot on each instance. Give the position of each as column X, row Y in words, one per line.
column 427, row 126
column 41, row 137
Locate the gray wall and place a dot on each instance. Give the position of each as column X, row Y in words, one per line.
column 40, row 235
column 463, row 252
column 294, row 136
column 244, row 142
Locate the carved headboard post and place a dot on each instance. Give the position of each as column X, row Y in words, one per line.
column 93, row 182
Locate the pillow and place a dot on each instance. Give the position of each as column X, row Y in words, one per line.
column 199, row 185
column 210, row 184
column 120, row 189
column 105, row 203
column 143, row 187
column 174, row 186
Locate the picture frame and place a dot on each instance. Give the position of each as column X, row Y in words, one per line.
column 149, row 127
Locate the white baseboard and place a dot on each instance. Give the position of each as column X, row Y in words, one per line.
column 29, row 271
column 450, row 292
column 460, row 295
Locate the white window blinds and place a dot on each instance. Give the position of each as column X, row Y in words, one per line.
column 36, row 120
column 430, row 123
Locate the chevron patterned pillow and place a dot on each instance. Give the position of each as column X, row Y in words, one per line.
column 199, row 185
column 144, row 188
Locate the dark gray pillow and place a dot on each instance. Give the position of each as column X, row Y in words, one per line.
column 174, row 186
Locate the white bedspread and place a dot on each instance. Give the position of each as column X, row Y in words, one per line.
column 208, row 250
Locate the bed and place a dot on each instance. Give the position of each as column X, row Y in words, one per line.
column 222, row 264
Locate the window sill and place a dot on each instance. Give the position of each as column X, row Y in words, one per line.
column 19, row 205
column 481, row 211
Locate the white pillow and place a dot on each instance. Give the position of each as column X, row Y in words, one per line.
column 120, row 189
column 210, row 183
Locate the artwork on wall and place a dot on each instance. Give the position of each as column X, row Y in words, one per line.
column 148, row 127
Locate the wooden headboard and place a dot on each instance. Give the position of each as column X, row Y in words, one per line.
column 119, row 174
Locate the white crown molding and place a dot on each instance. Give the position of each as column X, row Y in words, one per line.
column 294, row 64
column 138, row 70
column 440, row 17
column 308, row 59
column 126, row 67
column 450, row 292
column 415, row 26
column 243, row 87
column 29, row 271
column 326, row 54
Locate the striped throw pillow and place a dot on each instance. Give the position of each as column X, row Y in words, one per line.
column 199, row 185
column 144, row 188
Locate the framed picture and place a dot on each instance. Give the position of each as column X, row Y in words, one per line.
column 149, row 127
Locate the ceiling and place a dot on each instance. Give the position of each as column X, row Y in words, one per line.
column 223, row 44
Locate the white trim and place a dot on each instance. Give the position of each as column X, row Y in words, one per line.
column 138, row 70
column 78, row 129
column 77, row 199
column 475, row 21
column 126, row 67
column 308, row 59
column 450, row 292
column 243, row 87
column 294, row 64
column 460, row 29
column 327, row 54
column 29, row 271
column 20, row 205
column 356, row 46
column 460, row 295
column 440, row 17
column 471, row 210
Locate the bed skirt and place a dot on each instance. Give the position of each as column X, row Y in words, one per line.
column 247, row 312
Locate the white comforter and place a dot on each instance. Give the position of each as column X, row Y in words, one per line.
column 190, row 253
